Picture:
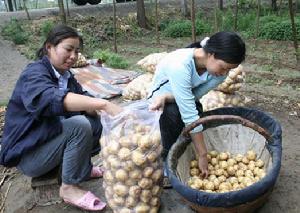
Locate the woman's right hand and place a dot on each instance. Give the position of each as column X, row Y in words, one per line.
column 112, row 109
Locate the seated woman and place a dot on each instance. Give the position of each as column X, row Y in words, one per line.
column 183, row 77
column 50, row 121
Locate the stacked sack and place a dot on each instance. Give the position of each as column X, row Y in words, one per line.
column 133, row 168
column 81, row 61
column 149, row 62
column 138, row 88
column 226, row 93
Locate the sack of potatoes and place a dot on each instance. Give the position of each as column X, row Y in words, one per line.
column 138, row 88
column 150, row 61
column 81, row 61
column 216, row 99
column 131, row 152
column 234, row 80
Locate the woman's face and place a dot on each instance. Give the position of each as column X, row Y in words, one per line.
column 218, row 67
column 64, row 55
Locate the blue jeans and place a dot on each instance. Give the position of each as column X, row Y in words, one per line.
column 72, row 149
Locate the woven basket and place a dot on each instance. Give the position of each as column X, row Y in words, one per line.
column 245, row 200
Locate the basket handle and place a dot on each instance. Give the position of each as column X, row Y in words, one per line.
column 231, row 118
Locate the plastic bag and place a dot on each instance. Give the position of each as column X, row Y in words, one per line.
column 131, row 152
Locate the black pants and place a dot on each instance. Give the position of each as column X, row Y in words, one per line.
column 171, row 125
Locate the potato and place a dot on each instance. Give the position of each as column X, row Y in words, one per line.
column 148, row 171
column 245, row 160
column 135, row 191
column 251, row 155
column 223, row 164
column 124, row 154
column 135, row 138
column 130, row 202
column 138, row 158
column 113, row 147
column 120, row 189
column 194, row 172
column 154, row 201
column 157, row 175
column 248, row 173
column 125, row 142
column 216, row 183
column 121, row 175
column 135, row 174
column 124, row 210
column 146, row 195
column 239, row 173
column 130, row 182
column 223, row 156
column 231, row 170
column 213, row 153
column 231, row 162
column 219, row 172
column 222, row 178
column 259, row 163
column 225, row 186
column 145, row 183
column 108, row 176
column 209, row 186
column 239, row 157
column 142, row 208
column 119, row 200
column 154, row 209
column 145, row 142
column 212, row 177
column 194, row 164
column 156, row 190
column 214, row 161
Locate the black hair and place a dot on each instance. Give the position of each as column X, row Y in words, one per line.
column 56, row 35
column 226, row 46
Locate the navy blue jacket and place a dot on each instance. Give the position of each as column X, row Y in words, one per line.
column 32, row 116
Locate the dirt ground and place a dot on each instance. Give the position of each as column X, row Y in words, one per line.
column 280, row 99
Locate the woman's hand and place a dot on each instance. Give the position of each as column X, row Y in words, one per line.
column 112, row 108
column 160, row 101
column 203, row 166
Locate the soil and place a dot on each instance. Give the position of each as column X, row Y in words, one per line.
column 16, row 194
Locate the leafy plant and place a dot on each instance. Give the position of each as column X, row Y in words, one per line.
column 14, row 31
column 111, row 59
column 46, row 27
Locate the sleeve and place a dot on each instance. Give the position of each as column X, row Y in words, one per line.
column 207, row 86
column 180, row 78
column 40, row 95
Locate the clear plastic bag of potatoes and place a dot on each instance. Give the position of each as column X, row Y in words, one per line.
column 131, row 152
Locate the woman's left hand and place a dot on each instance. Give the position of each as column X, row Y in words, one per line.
column 160, row 101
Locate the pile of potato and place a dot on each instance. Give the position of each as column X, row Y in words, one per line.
column 150, row 61
column 138, row 88
column 226, row 93
column 216, row 99
column 133, row 169
column 233, row 81
column 81, row 61
column 226, row 172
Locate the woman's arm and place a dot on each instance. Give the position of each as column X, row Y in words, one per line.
column 75, row 102
column 198, row 141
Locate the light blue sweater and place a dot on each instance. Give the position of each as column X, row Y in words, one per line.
column 178, row 70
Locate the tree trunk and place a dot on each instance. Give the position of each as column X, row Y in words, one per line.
column 221, row 5
column 15, row 5
column 274, row 5
column 257, row 19
column 10, row 5
column 216, row 17
column 141, row 15
column 236, row 10
column 184, row 8
column 156, row 22
column 6, row 7
column 36, row 4
column 68, row 11
column 294, row 32
column 193, row 21
column 62, row 13
column 26, row 10
column 115, row 26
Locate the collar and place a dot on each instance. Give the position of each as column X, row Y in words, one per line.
column 66, row 74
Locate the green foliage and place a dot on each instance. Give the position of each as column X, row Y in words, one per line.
column 14, row 31
column 46, row 28
column 279, row 30
column 183, row 28
column 111, row 59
